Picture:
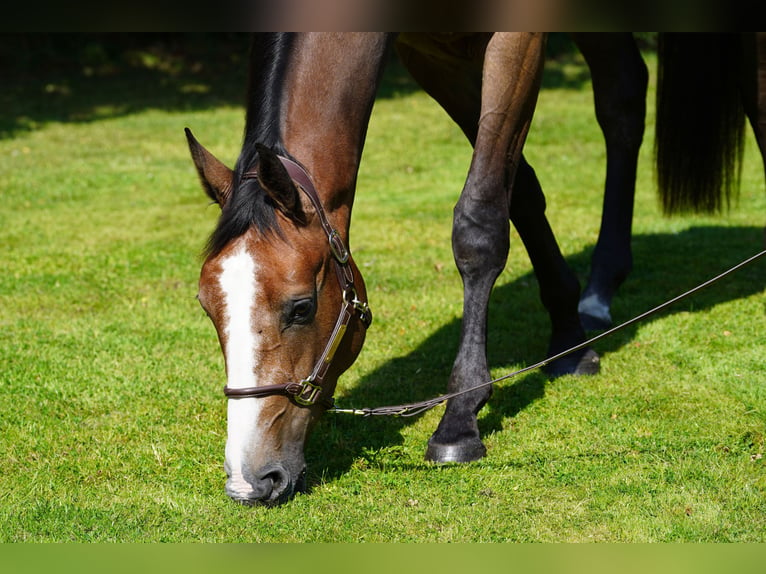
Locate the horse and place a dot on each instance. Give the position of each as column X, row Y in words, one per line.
column 707, row 85
column 279, row 282
column 285, row 213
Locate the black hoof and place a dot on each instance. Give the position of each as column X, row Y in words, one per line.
column 467, row 451
column 593, row 323
column 587, row 363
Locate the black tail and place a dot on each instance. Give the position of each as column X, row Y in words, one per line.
column 700, row 121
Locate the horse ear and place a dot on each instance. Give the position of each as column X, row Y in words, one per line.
column 278, row 184
column 216, row 178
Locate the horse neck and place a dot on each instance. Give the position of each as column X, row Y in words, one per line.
column 329, row 92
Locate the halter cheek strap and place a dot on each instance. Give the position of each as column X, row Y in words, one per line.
column 308, row 391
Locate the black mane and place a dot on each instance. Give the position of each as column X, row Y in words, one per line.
column 249, row 205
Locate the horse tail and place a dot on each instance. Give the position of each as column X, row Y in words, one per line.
column 699, row 137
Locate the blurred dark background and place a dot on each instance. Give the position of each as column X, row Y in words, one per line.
column 109, row 53
column 86, row 76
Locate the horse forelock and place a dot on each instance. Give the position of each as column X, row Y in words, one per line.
column 249, row 207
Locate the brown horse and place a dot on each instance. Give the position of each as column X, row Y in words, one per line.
column 286, row 298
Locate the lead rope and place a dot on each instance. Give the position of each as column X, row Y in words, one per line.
column 412, row 409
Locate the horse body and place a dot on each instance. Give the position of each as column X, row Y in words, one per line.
column 267, row 282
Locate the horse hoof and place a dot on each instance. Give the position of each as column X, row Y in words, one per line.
column 467, row 451
column 593, row 323
column 588, row 364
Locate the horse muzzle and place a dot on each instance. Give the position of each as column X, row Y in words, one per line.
column 272, row 485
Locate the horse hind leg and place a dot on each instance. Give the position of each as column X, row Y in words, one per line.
column 620, row 80
column 559, row 287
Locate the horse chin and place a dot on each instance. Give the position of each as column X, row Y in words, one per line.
column 273, row 485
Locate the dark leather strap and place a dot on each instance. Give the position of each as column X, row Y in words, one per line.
column 299, row 175
column 308, row 391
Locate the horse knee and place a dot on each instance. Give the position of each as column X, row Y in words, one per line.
column 480, row 237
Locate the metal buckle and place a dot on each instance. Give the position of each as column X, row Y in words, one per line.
column 338, row 248
column 308, row 394
column 365, row 315
column 361, row 307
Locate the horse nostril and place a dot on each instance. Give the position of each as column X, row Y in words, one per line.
column 276, row 484
column 272, row 485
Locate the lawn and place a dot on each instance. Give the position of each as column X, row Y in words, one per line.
column 112, row 419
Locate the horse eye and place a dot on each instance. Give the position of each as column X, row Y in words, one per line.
column 301, row 312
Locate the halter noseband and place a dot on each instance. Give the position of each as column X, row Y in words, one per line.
column 306, row 392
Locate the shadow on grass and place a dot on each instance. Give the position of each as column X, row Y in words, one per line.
column 665, row 266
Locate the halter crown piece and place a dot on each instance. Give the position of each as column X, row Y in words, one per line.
column 308, row 391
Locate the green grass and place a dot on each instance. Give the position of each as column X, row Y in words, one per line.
column 112, row 420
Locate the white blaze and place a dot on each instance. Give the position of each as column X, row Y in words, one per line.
column 237, row 281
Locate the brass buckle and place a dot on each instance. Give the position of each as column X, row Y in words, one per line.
column 365, row 315
column 308, row 394
column 361, row 307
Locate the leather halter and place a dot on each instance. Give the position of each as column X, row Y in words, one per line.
column 307, row 391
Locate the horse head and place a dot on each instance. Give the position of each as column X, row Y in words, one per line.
column 286, row 300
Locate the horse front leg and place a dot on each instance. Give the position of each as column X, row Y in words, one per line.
column 480, row 233
column 620, row 80
column 480, row 239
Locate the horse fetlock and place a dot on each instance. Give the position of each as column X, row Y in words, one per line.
column 595, row 314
